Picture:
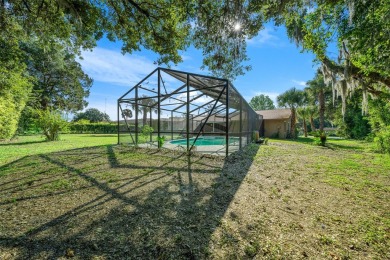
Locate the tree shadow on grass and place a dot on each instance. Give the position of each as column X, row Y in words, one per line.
column 305, row 140
column 340, row 144
column 103, row 135
column 119, row 202
column 331, row 143
column 21, row 143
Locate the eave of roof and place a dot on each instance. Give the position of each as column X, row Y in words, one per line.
column 275, row 114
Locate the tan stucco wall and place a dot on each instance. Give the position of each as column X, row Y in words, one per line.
column 272, row 127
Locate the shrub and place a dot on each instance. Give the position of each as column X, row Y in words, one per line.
column 14, row 90
column 161, row 141
column 320, row 139
column 146, row 131
column 382, row 140
column 85, row 127
column 51, row 123
column 315, row 133
column 27, row 122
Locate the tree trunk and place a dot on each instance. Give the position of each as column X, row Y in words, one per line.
column 144, row 118
column 321, row 99
column 293, row 121
column 305, row 127
column 313, row 127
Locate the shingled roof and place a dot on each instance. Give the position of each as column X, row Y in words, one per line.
column 275, row 113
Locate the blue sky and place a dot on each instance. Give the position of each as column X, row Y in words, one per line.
column 277, row 65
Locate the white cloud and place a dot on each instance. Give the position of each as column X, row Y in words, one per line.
column 299, row 82
column 186, row 57
column 112, row 67
column 265, row 36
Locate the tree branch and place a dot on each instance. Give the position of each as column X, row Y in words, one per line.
column 27, row 6
column 356, row 72
column 139, row 8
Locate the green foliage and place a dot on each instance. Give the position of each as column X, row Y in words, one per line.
column 292, row 99
column 252, row 249
column 146, row 130
column 219, row 28
column 14, row 88
column 127, row 113
column 51, row 123
column 161, row 141
column 15, row 85
column 44, row 39
column 59, row 82
column 382, row 140
column 304, row 114
column 363, row 58
column 262, row 102
column 223, row 44
column 156, row 25
column 320, row 138
column 317, row 93
column 27, row 122
column 84, row 126
column 379, row 112
column 379, row 119
column 93, row 115
column 353, row 125
column 145, row 106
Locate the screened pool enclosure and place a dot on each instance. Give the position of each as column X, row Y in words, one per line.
column 186, row 111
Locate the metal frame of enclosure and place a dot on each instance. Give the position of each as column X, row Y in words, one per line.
column 185, row 109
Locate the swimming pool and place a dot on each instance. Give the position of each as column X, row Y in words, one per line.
column 204, row 141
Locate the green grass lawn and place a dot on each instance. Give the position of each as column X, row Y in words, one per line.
column 87, row 198
column 32, row 145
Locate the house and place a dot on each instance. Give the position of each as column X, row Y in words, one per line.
column 275, row 123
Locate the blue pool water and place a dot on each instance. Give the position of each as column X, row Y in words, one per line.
column 204, row 141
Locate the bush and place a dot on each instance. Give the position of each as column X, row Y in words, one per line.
column 85, row 127
column 382, row 140
column 51, row 123
column 27, row 122
column 146, row 131
column 320, row 139
column 161, row 141
column 8, row 118
column 14, row 90
column 315, row 133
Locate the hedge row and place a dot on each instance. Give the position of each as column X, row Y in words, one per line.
column 96, row 128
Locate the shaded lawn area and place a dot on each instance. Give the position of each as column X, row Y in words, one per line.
column 283, row 200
